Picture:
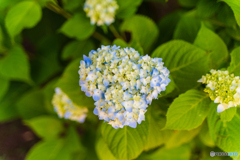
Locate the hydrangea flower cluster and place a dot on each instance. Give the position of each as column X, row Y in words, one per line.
column 65, row 108
column 101, row 11
column 122, row 83
column 222, row 88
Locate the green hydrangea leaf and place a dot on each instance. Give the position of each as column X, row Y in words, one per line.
column 25, row 14
column 103, row 151
column 207, row 8
column 179, row 153
column 125, row 143
column 224, row 134
column 120, row 42
column 188, row 111
column 235, row 5
column 143, row 30
column 8, row 109
column 60, row 149
column 186, row 63
column 235, row 62
column 187, row 28
column 46, row 127
column 228, row 114
column 127, row 8
column 76, row 49
column 32, row 104
column 78, row 26
column 212, row 44
column 205, row 137
column 14, row 65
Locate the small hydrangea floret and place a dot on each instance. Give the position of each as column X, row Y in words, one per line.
column 122, row 83
column 222, row 88
column 65, row 108
column 101, row 11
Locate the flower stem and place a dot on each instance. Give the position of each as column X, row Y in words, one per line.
column 115, row 32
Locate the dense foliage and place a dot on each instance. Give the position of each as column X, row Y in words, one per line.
column 43, row 41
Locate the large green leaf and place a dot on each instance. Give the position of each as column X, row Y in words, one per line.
column 235, row 62
column 224, row 134
column 14, row 65
column 205, row 137
column 8, row 109
column 181, row 137
column 127, row 8
column 25, row 14
column 46, row 127
column 187, row 28
column 188, row 110
column 212, row 44
column 69, row 83
column 206, row 8
column 228, row 114
column 45, row 64
column 125, row 143
column 235, row 5
column 57, row 149
column 179, row 153
column 77, row 49
column 186, row 63
column 168, row 24
column 103, row 151
column 78, row 26
column 143, row 30
column 31, row 105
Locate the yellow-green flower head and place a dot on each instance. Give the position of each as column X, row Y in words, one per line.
column 101, row 11
column 222, row 88
column 65, row 108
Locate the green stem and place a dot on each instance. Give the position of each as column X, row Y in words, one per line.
column 100, row 37
column 57, row 9
column 115, row 32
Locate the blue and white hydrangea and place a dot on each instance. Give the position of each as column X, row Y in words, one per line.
column 101, row 11
column 122, row 83
column 65, row 108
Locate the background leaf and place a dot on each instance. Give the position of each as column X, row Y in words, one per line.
column 14, row 65
column 60, row 149
column 25, row 14
column 213, row 44
column 188, row 110
column 31, row 105
column 224, row 134
column 180, row 153
column 78, row 26
column 187, row 29
column 127, row 8
column 46, row 127
column 228, row 114
column 234, row 4
column 76, row 49
column 235, row 62
column 143, row 30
